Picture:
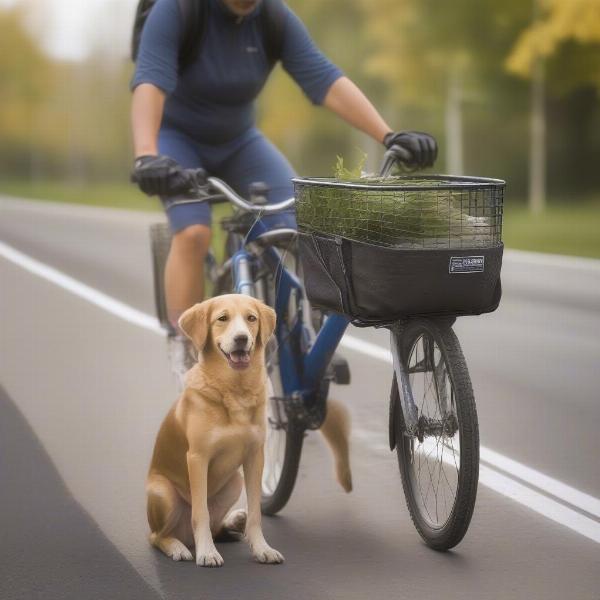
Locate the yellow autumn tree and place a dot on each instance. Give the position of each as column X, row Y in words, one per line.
column 24, row 76
column 567, row 30
column 559, row 22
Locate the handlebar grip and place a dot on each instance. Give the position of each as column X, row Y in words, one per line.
column 197, row 177
column 395, row 154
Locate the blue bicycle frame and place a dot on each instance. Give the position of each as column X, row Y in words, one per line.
column 302, row 365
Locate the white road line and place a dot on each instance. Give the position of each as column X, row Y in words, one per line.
column 368, row 348
column 497, row 481
column 581, row 263
column 92, row 295
column 541, row 504
column 506, row 486
column 552, row 486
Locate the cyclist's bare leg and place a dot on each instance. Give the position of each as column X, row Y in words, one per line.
column 184, row 271
column 184, row 283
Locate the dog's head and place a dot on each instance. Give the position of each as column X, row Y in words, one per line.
column 233, row 326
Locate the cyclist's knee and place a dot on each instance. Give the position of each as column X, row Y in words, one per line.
column 194, row 238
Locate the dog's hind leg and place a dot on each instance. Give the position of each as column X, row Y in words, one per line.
column 336, row 431
column 166, row 514
column 220, row 504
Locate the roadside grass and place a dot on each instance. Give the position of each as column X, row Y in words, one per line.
column 115, row 195
column 563, row 228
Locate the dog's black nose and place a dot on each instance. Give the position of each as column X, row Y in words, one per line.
column 240, row 340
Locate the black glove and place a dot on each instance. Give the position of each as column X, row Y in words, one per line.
column 160, row 176
column 413, row 148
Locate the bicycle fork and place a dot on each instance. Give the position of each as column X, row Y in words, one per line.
column 407, row 401
column 415, row 425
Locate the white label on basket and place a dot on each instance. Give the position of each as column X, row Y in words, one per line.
column 467, row 264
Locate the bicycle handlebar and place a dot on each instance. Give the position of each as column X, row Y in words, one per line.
column 224, row 193
column 219, row 192
column 240, row 202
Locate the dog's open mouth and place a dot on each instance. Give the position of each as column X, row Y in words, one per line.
column 238, row 359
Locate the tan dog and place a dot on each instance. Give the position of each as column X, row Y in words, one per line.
column 217, row 426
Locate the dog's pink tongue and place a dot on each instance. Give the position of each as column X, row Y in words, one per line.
column 240, row 357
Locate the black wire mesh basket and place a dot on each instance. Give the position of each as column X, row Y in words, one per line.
column 435, row 211
column 380, row 249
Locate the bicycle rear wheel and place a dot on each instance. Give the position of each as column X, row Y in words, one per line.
column 440, row 465
column 283, row 448
column 284, row 441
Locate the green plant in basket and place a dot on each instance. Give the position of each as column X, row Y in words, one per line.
column 389, row 217
column 341, row 172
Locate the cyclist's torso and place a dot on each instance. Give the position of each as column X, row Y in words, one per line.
column 212, row 100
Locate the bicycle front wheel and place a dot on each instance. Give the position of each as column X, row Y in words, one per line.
column 439, row 465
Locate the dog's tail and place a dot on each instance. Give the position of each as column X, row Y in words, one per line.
column 336, row 431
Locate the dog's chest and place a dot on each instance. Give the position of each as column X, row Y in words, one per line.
column 240, row 407
column 239, row 433
column 230, row 447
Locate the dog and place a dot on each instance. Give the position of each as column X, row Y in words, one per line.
column 216, row 426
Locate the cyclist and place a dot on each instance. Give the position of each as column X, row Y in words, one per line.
column 202, row 116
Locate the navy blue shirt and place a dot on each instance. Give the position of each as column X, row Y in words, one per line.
column 212, row 100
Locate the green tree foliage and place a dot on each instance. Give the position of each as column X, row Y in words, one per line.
column 25, row 74
column 568, row 30
column 71, row 120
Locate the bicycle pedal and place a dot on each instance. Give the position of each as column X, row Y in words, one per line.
column 340, row 370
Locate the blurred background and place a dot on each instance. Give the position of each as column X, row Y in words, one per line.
column 509, row 87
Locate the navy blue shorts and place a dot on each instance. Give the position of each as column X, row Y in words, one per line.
column 246, row 159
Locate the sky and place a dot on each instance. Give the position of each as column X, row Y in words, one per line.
column 67, row 29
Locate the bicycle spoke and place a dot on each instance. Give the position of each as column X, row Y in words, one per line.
column 274, row 448
column 434, row 397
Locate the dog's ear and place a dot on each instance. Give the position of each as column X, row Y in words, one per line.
column 266, row 323
column 194, row 323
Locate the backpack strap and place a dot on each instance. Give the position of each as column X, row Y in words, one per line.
column 194, row 14
column 272, row 17
column 141, row 14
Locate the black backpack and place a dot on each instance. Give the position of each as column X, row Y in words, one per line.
column 195, row 16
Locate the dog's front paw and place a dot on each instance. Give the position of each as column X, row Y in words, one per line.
column 209, row 558
column 180, row 552
column 267, row 555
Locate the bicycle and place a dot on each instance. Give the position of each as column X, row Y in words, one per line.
column 432, row 415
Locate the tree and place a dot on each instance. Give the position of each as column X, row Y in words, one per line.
column 555, row 23
column 440, row 55
column 25, row 74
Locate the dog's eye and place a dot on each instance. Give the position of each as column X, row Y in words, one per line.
column 251, row 318
column 223, row 318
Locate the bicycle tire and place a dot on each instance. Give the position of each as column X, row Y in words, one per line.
column 455, row 527
column 273, row 503
column 160, row 244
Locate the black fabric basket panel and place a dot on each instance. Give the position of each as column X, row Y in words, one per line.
column 375, row 284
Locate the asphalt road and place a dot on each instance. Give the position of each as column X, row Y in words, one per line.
column 83, row 393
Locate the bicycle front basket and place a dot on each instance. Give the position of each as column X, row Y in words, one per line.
column 384, row 248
